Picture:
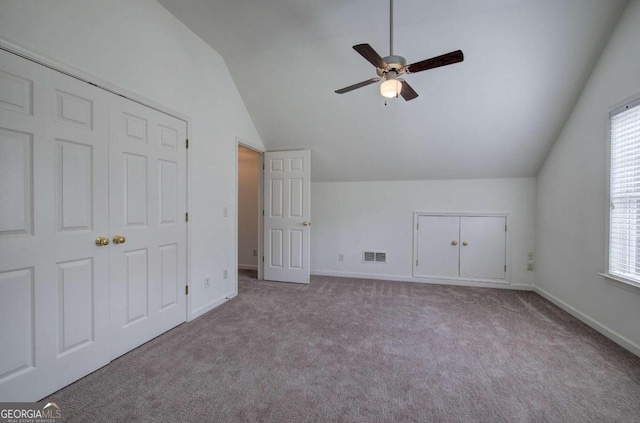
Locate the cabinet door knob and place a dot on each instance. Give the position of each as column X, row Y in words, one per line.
column 465, row 243
column 454, row 242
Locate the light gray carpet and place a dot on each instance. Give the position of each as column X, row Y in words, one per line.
column 349, row 350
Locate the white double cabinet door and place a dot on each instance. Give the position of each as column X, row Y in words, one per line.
column 464, row 247
column 76, row 164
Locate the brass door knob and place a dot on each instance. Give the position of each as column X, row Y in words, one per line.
column 306, row 223
column 454, row 242
column 465, row 243
column 119, row 239
column 102, row 241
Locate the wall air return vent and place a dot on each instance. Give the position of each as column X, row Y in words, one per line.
column 374, row 257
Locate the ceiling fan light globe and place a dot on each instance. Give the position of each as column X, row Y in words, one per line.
column 391, row 88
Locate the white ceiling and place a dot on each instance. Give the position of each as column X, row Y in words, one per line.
column 494, row 115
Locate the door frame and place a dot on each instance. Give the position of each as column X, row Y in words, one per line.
column 507, row 277
column 121, row 91
column 246, row 144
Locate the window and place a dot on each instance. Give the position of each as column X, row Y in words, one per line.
column 624, row 192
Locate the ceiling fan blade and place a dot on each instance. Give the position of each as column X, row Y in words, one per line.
column 436, row 62
column 407, row 92
column 358, row 85
column 371, row 55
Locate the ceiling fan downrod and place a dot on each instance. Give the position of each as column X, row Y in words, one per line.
column 390, row 27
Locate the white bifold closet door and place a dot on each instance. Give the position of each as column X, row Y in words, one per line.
column 78, row 163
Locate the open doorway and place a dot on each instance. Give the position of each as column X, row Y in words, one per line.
column 273, row 215
column 249, row 213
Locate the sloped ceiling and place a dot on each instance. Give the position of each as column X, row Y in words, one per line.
column 494, row 115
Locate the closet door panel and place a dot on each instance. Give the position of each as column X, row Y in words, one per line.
column 54, row 279
column 147, row 207
column 437, row 246
column 483, row 247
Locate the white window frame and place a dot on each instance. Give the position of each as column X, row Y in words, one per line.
column 618, row 280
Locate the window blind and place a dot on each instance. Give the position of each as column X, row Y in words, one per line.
column 624, row 191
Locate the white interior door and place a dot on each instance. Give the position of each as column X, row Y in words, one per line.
column 437, row 246
column 287, row 206
column 147, row 207
column 483, row 247
column 54, row 279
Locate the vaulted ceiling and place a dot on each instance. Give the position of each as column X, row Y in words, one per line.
column 494, row 115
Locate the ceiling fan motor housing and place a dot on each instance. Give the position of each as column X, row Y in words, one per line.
column 396, row 63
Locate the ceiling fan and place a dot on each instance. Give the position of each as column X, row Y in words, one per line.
column 391, row 67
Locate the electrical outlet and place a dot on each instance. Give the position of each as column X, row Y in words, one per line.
column 225, row 212
column 530, row 267
column 207, row 281
column 340, row 257
column 255, row 253
column 225, row 274
column 530, row 256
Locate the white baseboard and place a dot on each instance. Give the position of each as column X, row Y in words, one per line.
column 206, row 308
column 614, row 336
column 247, row 267
column 395, row 278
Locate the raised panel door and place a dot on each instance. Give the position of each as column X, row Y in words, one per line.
column 483, row 247
column 54, row 279
column 437, row 246
column 147, row 203
column 287, row 215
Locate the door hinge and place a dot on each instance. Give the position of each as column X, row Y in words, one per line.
column 187, row 143
column 186, row 290
column 263, row 259
column 263, row 212
column 505, row 267
column 417, row 226
column 262, row 166
column 505, row 228
column 416, row 263
column 186, row 217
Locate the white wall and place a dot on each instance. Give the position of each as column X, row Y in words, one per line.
column 349, row 217
column 248, row 183
column 571, row 199
column 142, row 47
